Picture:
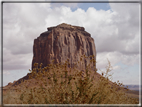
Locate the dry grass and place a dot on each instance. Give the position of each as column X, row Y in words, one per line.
column 58, row 84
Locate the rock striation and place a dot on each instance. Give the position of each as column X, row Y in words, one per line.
column 63, row 42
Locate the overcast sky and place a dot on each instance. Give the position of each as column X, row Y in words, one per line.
column 115, row 28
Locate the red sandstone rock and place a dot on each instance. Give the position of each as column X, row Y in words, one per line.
column 63, row 42
column 9, row 83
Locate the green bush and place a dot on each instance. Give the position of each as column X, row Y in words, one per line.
column 59, row 84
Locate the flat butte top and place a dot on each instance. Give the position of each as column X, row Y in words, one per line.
column 67, row 26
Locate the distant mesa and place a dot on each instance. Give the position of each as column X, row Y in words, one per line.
column 63, row 42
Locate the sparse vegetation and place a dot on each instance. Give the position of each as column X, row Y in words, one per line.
column 58, row 84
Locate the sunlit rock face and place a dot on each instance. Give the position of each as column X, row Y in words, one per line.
column 63, row 42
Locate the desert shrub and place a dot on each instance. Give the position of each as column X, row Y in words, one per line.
column 59, row 84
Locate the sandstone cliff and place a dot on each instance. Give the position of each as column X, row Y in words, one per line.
column 63, row 42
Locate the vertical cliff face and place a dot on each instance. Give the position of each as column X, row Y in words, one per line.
column 63, row 42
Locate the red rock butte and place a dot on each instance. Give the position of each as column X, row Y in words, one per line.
column 63, row 42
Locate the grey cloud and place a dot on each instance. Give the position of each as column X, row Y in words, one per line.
column 15, row 67
column 126, row 39
column 22, row 25
column 22, row 49
column 17, row 62
column 108, row 44
column 111, row 44
column 111, row 30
